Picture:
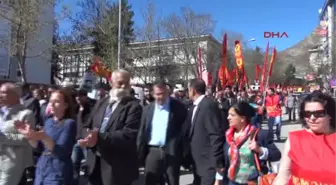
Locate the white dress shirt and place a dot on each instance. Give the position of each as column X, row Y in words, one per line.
column 196, row 102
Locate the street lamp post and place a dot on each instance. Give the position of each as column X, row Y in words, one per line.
column 253, row 40
column 119, row 35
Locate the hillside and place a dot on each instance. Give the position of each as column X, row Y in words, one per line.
column 297, row 54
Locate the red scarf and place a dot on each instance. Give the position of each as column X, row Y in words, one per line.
column 234, row 150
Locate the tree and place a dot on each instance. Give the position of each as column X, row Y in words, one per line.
column 27, row 21
column 289, row 74
column 144, row 57
column 98, row 24
column 253, row 57
column 333, row 62
column 55, row 60
column 189, row 29
column 232, row 37
column 150, row 59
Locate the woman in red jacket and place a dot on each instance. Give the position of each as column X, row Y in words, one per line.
column 310, row 154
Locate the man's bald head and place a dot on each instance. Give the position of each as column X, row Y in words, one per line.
column 121, row 72
column 121, row 79
column 13, row 88
column 10, row 93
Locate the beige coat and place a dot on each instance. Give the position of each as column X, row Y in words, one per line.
column 15, row 152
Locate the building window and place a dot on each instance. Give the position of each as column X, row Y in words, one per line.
column 70, row 75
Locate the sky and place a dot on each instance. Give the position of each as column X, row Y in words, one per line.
column 251, row 18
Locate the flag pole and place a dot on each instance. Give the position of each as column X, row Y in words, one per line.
column 265, row 90
column 269, row 73
column 119, row 34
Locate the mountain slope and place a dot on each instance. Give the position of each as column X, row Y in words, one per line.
column 297, row 55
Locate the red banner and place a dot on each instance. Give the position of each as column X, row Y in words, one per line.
column 223, row 73
column 239, row 56
column 272, row 62
column 200, row 63
column 258, row 71
column 240, row 64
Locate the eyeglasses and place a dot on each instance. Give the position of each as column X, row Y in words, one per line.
column 317, row 113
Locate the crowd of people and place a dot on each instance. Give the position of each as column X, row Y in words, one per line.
column 46, row 133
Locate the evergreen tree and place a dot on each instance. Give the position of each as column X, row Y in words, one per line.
column 289, row 74
column 55, row 68
column 99, row 22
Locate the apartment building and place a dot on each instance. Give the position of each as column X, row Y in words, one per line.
column 327, row 33
column 316, row 57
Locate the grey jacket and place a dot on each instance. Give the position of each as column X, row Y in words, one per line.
column 15, row 152
column 290, row 101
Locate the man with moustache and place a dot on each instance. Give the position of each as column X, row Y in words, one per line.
column 160, row 139
column 111, row 140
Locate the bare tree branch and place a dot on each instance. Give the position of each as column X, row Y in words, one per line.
column 150, row 61
column 188, row 29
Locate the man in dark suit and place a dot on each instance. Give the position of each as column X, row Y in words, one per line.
column 111, row 141
column 31, row 103
column 206, row 135
column 160, row 137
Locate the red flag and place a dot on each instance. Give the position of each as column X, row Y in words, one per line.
column 258, row 71
column 239, row 62
column 263, row 75
column 243, row 82
column 232, row 77
column 272, row 62
column 210, row 79
column 200, row 64
column 223, row 73
column 239, row 56
column 100, row 69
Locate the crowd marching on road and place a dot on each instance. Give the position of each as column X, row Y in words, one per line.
column 51, row 135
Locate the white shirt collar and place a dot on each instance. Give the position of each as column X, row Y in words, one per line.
column 198, row 100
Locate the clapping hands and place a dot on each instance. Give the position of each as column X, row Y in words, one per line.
column 90, row 140
column 24, row 128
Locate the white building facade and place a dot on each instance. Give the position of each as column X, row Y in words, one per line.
column 39, row 51
column 316, row 57
column 175, row 60
column 327, row 33
column 73, row 64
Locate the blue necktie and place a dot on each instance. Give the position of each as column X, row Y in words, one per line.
column 107, row 115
